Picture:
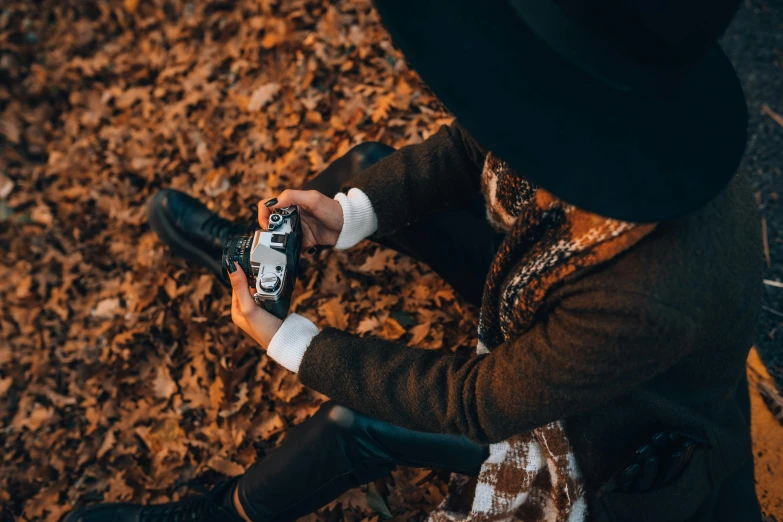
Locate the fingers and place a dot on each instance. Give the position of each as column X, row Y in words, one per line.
column 305, row 199
column 240, row 289
column 252, row 319
column 263, row 213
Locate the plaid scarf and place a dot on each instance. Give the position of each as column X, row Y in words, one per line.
column 533, row 476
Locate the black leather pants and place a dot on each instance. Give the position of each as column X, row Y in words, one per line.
column 338, row 448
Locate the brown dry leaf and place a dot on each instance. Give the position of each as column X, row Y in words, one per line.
column 108, row 443
column 262, row 96
column 130, row 5
column 381, row 259
column 170, row 286
column 45, row 501
column 216, row 395
column 23, row 288
column 6, row 186
column 300, row 298
column 225, row 466
column 108, row 307
column 164, row 433
column 391, row 329
column 446, row 294
column 289, row 388
column 36, row 417
column 241, row 400
column 118, row 488
column 368, row 324
column 42, row 214
column 382, row 106
column 163, row 386
column 270, row 424
column 419, row 333
column 202, row 289
column 276, row 30
column 333, row 311
column 5, row 385
column 354, row 498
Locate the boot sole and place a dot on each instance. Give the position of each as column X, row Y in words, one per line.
column 176, row 242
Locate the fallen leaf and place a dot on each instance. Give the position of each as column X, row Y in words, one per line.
column 334, row 312
column 42, row 214
column 381, row 259
column 270, row 424
column 108, row 443
column 163, row 386
column 6, row 186
column 108, row 307
column 130, row 5
column 5, row 385
column 225, row 466
column 419, row 333
column 391, row 329
column 368, row 324
column 262, row 96
column 202, row 289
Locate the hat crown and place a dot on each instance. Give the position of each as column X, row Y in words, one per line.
column 653, row 32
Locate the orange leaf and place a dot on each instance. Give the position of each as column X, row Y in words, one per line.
column 391, row 329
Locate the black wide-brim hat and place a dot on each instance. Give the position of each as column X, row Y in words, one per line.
column 627, row 141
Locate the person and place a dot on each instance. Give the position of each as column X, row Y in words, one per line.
column 586, row 200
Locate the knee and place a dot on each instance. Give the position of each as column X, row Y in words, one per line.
column 340, row 418
column 365, row 154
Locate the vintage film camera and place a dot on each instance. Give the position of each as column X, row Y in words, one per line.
column 270, row 259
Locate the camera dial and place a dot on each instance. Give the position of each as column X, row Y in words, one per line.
column 275, row 220
column 269, row 282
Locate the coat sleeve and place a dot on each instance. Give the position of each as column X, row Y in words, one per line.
column 586, row 350
column 443, row 171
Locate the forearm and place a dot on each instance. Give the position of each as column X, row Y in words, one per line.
column 574, row 360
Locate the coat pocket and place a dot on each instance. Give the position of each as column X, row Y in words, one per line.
column 676, row 501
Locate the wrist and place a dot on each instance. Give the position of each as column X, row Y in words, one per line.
column 270, row 334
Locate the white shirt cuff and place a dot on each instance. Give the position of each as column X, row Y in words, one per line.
column 359, row 219
column 290, row 343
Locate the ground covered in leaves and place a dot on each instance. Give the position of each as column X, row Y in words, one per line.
column 121, row 375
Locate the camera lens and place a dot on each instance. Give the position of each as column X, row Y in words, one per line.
column 237, row 250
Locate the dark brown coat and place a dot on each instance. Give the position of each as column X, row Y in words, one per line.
column 655, row 339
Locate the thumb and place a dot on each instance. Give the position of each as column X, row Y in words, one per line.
column 239, row 286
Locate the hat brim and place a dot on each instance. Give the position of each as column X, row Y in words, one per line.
column 620, row 154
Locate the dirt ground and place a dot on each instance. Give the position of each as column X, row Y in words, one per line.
column 754, row 42
column 121, row 375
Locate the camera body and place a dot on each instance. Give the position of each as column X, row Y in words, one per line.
column 270, row 259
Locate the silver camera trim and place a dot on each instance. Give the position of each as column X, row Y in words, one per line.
column 265, row 258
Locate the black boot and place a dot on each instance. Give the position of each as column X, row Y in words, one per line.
column 209, row 507
column 191, row 230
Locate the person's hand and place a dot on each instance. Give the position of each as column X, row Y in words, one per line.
column 322, row 217
column 246, row 314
